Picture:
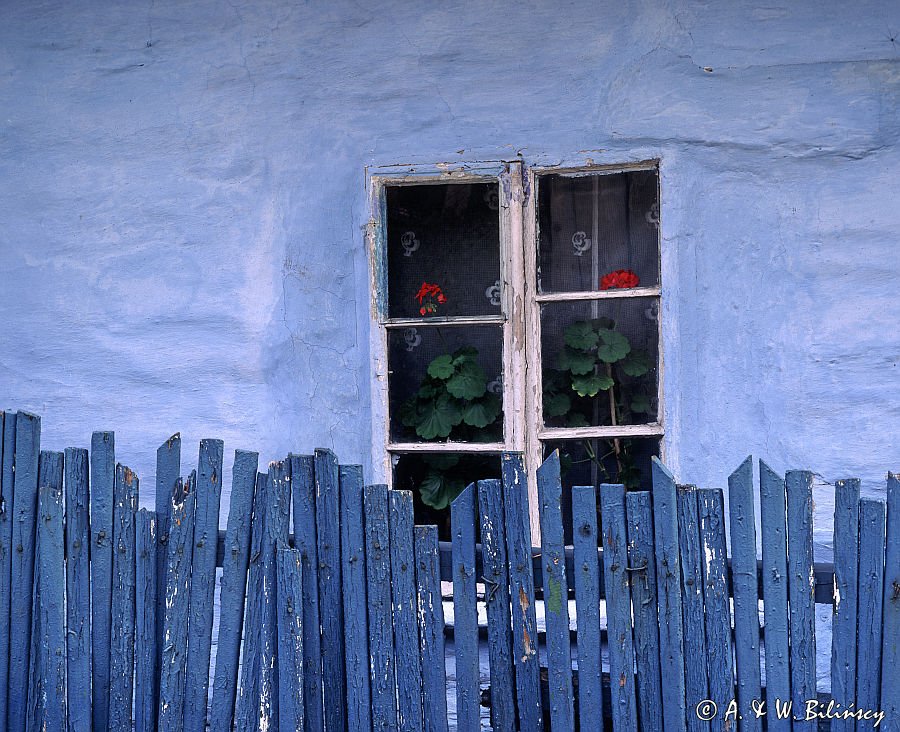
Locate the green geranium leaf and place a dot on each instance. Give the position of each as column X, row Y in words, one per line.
column 588, row 386
column 441, row 462
column 409, row 413
column 438, row 418
column 466, row 353
column 580, row 335
column 557, row 405
column 441, row 367
column 438, row 490
column 603, row 323
column 640, row 403
column 469, row 381
column 482, row 413
column 636, row 363
column 578, row 362
column 577, row 419
column 614, row 348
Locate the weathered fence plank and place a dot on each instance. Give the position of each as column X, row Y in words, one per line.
column 25, row 494
column 304, row 504
column 234, row 584
column 203, row 583
column 168, row 472
column 668, row 580
column 146, row 688
column 871, row 587
column 639, row 513
column 890, row 644
column 381, row 637
column 521, row 583
column 103, row 474
column 78, row 584
column 846, row 578
column 290, row 640
column 178, row 591
column 556, row 594
column 431, row 628
column 353, row 578
column 121, row 651
column 497, row 600
column 745, row 589
column 7, row 474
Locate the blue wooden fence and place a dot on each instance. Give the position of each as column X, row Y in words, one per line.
column 106, row 611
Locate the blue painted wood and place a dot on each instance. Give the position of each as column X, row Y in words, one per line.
column 846, row 579
column 177, row 594
column 871, row 587
column 668, row 582
column 203, row 583
column 304, row 505
column 103, row 473
column 639, row 514
column 890, row 644
column 146, row 686
column 168, row 471
column 801, row 593
column 696, row 680
column 51, row 658
column 121, row 652
column 618, row 607
column 289, row 595
column 25, row 484
column 431, row 628
column 497, row 600
column 521, row 583
column 35, row 709
column 78, row 584
column 745, row 591
column 381, row 637
column 7, row 461
column 711, row 510
column 587, row 601
column 465, row 610
column 247, row 704
column 406, row 635
column 235, row 563
column 353, row 578
column 328, row 534
column 556, row 593
column 775, row 594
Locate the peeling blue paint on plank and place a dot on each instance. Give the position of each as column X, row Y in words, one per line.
column 146, row 602
column 234, row 587
column 203, row 583
column 844, row 615
column 871, row 588
column 431, row 628
column 890, row 644
column 465, row 609
column 7, row 474
column 168, row 472
column 290, row 640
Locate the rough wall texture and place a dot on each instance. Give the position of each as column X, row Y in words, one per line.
column 182, row 195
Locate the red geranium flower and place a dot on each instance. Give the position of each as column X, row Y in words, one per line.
column 429, row 297
column 621, row 278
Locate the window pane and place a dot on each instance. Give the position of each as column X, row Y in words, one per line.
column 591, row 226
column 444, row 235
column 445, row 383
column 600, row 362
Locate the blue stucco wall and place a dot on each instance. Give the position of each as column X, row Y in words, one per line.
column 182, row 198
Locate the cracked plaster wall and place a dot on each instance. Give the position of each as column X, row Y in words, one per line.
column 182, row 196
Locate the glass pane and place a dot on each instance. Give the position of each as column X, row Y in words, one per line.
column 595, row 226
column 445, row 383
column 443, row 250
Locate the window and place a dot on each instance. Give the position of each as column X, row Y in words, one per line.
column 517, row 309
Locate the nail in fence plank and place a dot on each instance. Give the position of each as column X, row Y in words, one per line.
column 556, row 594
column 353, row 577
column 178, row 591
column 51, row 660
column 618, row 607
column 871, row 587
column 203, row 583
column 304, row 504
column 146, row 602
column 25, row 484
column 247, row 704
column 801, row 593
column 587, row 601
column 103, row 473
column 431, row 628
column 711, row 509
column 465, row 609
column 121, row 652
column 168, row 472
column 78, row 596
column 7, row 457
column 290, row 639
column 775, row 594
column 890, row 645
column 406, row 634
column 234, row 583
column 381, row 639
column 521, row 582
column 639, row 513
column 497, row 600
column 846, row 578
column 668, row 582
column 695, row 677
column 745, row 589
